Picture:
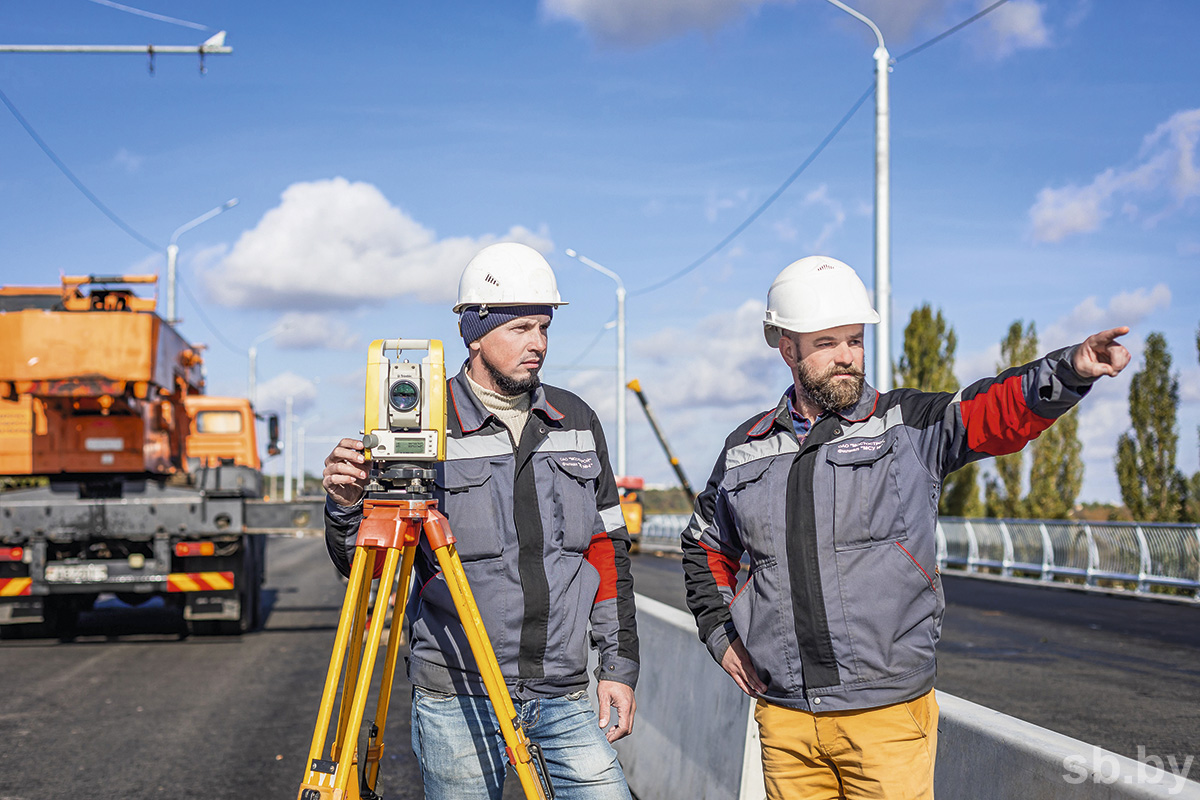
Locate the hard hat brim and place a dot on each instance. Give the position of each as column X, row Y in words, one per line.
column 460, row 306
column 773, row 331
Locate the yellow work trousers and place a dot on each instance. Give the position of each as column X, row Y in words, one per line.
column 884, row 753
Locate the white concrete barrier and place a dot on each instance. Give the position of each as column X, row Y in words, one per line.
column 694, row 738
column 986, row 755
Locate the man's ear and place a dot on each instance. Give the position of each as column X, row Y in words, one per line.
column 788, row 349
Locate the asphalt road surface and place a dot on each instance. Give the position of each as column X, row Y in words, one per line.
column 132, row 709
column 1117, row 672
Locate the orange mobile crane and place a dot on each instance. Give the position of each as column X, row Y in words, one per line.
column 128, row 478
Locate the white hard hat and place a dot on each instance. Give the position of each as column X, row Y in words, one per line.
column 813, row 294
column 507, row 274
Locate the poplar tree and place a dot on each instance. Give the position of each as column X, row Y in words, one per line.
column 1056, row 475
column 927, row 363
column 1055, row 460
column 1153, row 489
column 1003, row 493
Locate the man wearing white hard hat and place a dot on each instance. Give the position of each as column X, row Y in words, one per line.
column 832, row 496
column 530, row 496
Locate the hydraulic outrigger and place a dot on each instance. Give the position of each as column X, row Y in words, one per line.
column 405, row 410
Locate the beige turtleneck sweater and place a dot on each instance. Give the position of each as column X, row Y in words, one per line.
column 512, row 411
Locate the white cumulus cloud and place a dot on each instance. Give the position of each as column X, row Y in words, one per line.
column 272, row 395
column 313, row 330
column 722, row 362
column 702, row 381
column 1125, row 308
column 1018, row 25
column 1164, row 176
column 1089, row 316
column 637, row 22
column 336, row 243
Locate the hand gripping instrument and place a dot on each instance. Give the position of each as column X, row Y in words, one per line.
column 404, row 433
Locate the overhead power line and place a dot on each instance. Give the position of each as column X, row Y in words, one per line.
column 951, row 31
column 65, row 170
column 211, row 328
column 721, row 245
column 766, row 203
column 151, row 15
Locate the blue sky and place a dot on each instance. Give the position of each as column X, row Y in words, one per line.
column 1044, row 168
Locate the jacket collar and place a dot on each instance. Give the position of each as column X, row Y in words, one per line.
column 865, row 406
column 471, row 412
column 782, row 416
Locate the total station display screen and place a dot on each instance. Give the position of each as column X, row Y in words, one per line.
column 410, row 446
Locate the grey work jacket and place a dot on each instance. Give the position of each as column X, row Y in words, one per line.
column 843, row 605
column 543, row 545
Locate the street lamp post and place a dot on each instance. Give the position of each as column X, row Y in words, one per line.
column 173, row 252
column 620, row 353
column 287, row 450
column 300, row 435
column 883, row 212
column 252, row 355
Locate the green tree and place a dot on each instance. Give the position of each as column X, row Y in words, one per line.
column 1056, row 475
column 927, row 363
column 1003, row 493
column 1152, row 487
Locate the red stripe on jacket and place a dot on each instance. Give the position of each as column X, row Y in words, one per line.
column 600, row 555
column 723, row 568
column 998, row 421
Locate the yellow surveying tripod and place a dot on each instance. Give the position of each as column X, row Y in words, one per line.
column 405, row 430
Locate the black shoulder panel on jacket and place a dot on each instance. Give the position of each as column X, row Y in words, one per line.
column 576, row 413
column 918, row 409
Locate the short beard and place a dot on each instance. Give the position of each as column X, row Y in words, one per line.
column 506, row 385
column 827, row 393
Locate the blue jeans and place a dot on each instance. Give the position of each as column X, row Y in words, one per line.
column 458, row 742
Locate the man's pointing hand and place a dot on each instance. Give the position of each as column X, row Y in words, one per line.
column 1101, row 354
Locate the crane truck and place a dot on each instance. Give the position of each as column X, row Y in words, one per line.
column 117, row 473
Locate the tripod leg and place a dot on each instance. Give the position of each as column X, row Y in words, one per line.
column 319, row 774
column 345, row 766
column 535, row 786
column 343, row 733
column 395, row 630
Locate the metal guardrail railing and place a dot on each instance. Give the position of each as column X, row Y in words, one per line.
column 661, row 531
column 1142, row 554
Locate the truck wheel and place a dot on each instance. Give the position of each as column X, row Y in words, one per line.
column 246, row 618
column 60, row 617
column 64, row 618
column 250, row 597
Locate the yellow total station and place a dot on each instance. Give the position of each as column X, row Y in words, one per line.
column 404, row 434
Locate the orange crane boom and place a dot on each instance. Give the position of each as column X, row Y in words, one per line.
column 636, row 388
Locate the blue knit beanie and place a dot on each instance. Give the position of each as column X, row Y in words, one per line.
column 475, row 321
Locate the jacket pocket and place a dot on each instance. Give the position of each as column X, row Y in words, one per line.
column 757, row 611
column 574, row 500
column 745, row 494
column 891, row 611
column 866, row 493
column 471, row 502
